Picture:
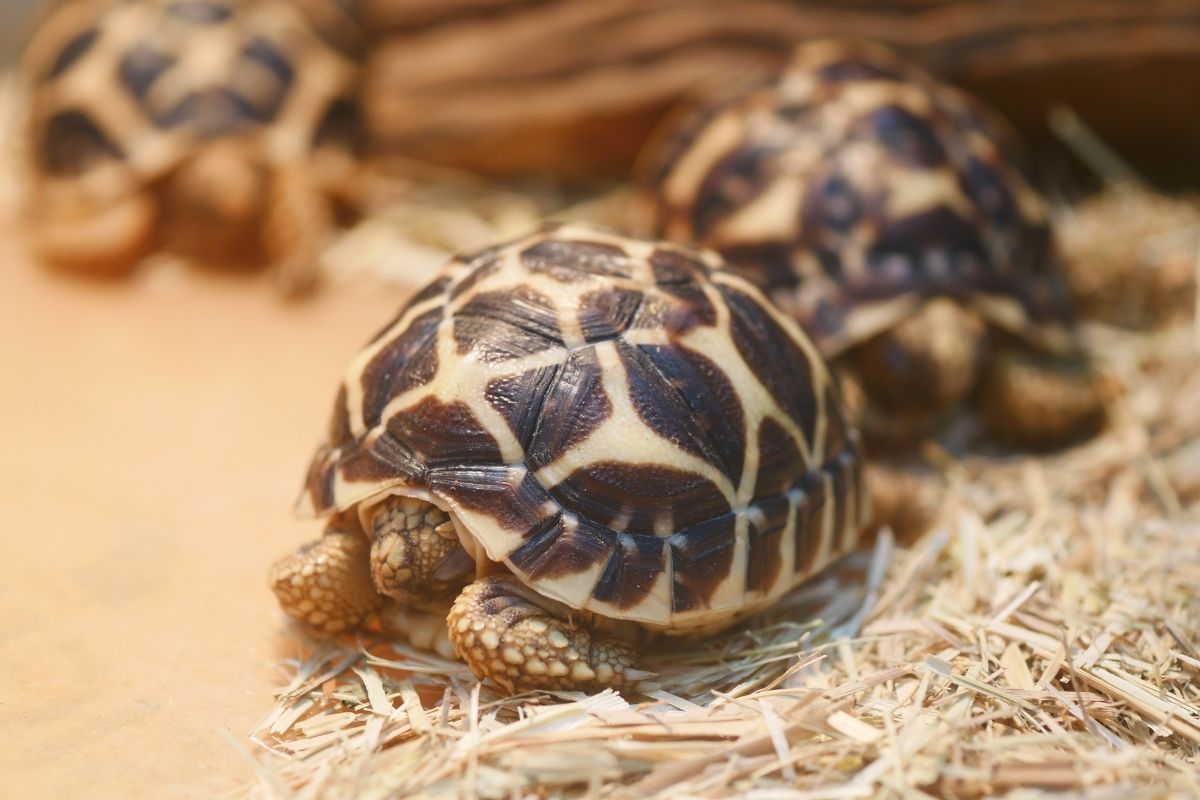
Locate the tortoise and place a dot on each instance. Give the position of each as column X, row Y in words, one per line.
column 576, row 441
column 894, row 218
column 226, row 131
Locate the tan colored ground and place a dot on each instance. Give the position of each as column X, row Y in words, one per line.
column 154, row 437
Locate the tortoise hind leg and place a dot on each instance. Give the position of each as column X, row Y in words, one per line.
column 1039, row 401
column 507, row 632
column 327, row 583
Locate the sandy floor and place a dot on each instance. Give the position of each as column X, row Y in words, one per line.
column 154, row 438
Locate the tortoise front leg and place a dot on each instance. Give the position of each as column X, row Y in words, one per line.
column 104, row 241
column 415, row 554
column 327, row 583
column 507, row 632
column 299, row 225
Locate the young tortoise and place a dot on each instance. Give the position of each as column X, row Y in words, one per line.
column 890, row 215
column 596, row 436
column 223, row 130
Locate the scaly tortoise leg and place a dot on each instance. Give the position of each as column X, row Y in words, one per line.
column 104, row 241
column 327, row 583
column 415, row 554
column 507, row 632
column 1040, row 401
column 299, row 224
column 905, row 496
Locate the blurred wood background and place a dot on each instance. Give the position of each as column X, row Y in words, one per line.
column 568, row 89
column 571, row 87
column 15, row 18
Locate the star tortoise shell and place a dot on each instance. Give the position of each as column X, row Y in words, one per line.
column 624, row 425
column 852, row 187
column 131, row 87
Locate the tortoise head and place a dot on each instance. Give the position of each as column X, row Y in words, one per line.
column 927, row 364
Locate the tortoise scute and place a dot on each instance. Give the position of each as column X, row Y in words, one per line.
column 509, row 494
column 640, row 498
column 571, row 411
column 604, row 419
column 412, row 361
column 141, row 67
column 72, row 143
column 444, row 433
column 712, row 402
column 607, row 313
column 909, row 137
column 563, row 545
column 200, row 12
column 520, row 307
column 519, row 399
column 701, row 557
column 574, row 260
column 764, row 539
column 72, row 52
column 631, row 572
column 663, row 407
column 776, row 359
column 778, row 460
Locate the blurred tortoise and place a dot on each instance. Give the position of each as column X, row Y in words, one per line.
column 584, row 438
column 222, row 130
column 891, row 216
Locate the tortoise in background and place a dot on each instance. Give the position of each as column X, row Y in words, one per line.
column 582, row 437
column 892, row 217
column 222, row 130
column 1129, row 255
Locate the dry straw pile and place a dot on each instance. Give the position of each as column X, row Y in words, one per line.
column 1043, row 638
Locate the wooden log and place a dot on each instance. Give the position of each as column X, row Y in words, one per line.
column 571, row 87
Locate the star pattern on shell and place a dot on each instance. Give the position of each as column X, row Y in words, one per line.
column 852, row 187
column 122, row 90
column 627, row 427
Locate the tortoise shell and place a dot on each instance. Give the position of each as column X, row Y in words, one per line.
column 852, row 186
column 124, row 90
column 624, row 425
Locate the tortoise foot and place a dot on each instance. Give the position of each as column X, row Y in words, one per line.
column 327, row 583
column 106, row 242
column 521, row 641
column 1039, row 402
column 905, row 497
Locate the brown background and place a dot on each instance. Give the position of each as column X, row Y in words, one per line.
column 154, row 437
